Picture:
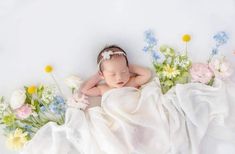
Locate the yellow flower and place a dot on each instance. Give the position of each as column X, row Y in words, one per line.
column 170, row 72
column 186, row 38
column 31, row 89
column 48, row 69
column 17, row 139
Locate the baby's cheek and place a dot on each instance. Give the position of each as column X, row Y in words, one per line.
column 128, row 76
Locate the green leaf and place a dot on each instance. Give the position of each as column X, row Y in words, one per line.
column 210, row 83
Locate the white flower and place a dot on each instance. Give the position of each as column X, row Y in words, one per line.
column 184, row 63
column 221, row 68
column 177, row 61
column 48, row 94
column 17, row 99
column 73, row 82
column 106, row 55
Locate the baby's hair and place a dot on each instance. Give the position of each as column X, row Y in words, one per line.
column 113, row 48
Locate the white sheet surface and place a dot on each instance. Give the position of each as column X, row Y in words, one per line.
column 190, row 119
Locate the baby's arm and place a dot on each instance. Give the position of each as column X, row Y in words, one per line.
column 90, row 87
column 142, row 75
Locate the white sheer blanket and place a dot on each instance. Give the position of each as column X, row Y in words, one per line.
column 190, row 119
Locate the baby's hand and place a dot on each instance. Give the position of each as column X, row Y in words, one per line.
column 90, row 87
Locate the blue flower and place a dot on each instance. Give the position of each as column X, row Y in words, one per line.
column 58, row 105
column 220, row 38
column 150, row 38
column 145, row 49
column 57, row 108
column 59, row 99
column 43, row 108
column 158, row 56
column 214, row 51
column 29, row 130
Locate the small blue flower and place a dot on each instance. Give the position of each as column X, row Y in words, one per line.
column 220, row 38
column 29, row 130
column 214, row 51
column 145, row 49
column 43, row 108
column 150, row 38
column 58, row 105
column 158, row 56
column 59, row 100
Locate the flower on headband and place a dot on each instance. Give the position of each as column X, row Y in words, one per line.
column 106, row 55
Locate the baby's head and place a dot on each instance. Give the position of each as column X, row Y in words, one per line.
column 113, row 66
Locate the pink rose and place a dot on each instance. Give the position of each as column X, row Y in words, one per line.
column 221, row 68
column 201, row 73
column 24, row 111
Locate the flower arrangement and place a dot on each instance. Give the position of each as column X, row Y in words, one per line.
column 170, row 66
column 32, row 107
column 28, row 110
column 173, row 67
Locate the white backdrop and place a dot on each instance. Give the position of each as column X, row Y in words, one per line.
column 68, row 34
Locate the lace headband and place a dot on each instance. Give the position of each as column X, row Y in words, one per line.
column 106, row 55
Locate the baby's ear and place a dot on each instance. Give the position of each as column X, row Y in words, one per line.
column 101, row 75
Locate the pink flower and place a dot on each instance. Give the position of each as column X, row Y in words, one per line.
column 221, row 68
column 201, row 73
column 24, row 111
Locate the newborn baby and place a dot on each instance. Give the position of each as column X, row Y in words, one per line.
column 116, row 72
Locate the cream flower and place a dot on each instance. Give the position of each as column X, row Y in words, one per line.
column 17, row 99
column 170, row 72
column 17, row 139
column 73, row 82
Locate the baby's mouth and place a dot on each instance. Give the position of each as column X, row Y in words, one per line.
column 120, row 83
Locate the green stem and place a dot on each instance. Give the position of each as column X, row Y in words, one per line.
column 57, row 85
column 186, row 49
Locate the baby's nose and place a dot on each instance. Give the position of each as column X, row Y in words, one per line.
column 119, row 77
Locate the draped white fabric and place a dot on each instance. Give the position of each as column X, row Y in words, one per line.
column 189, row 119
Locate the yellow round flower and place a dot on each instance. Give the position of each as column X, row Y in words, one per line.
column 186, row 38
column 48, row 69
column 17, row 139
column 31, row 89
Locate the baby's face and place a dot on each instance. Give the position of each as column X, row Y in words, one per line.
column 116, row 72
